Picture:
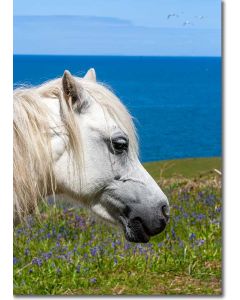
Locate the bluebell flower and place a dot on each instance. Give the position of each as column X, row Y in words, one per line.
column 20, row 230
column 15, row 260
column 127, row 246
column 210, row 200
column 192, row 236
column 47, row 255
column 93, row 251
column 93, row 280
column 173, row 233
column 51, row 201
column 26, row 251
column 201, row 217
column 37, row 261
column 180, row 244
column 200, row 242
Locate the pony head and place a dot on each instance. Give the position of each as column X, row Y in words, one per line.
column 94, row 153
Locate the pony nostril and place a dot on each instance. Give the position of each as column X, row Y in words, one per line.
column 165, row 212
column 127, row 211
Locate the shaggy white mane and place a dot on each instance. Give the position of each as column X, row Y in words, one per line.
column 33, row 176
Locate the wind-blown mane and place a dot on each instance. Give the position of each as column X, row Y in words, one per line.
column 34, row 127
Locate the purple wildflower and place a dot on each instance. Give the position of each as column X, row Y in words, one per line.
column 180, row 244
column 93, row 280
column 200, row 242
column 173, row 233
column 51, row 201
column 177, row 218
column 93, row 251
column 127, row 246
column 26, row 251
column 200, row 217
column 192, row 236
column 15, row 260
column 37, row 261
column 47, row 255
column 78, row 268
column 63, row 257
column 150, row 245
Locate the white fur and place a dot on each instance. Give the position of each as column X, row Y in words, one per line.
column 101, row 117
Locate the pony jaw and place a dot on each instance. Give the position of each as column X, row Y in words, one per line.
column 100, row 211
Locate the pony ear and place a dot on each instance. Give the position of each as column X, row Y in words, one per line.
column 91, row 75
column 71, row 90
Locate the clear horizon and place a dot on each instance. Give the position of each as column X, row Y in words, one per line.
column 104, row 27
column 118, row 55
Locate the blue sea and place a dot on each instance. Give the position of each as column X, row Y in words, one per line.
column 176, row 101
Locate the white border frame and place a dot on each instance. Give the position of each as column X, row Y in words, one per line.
column 231, row 97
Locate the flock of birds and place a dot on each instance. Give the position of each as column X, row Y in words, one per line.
column 187, row 22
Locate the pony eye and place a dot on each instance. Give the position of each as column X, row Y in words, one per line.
column 119, row 145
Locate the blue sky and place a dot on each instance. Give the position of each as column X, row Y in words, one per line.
column 118, row 27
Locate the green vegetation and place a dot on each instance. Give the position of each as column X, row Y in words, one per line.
column 69, row 253
column 188, row 167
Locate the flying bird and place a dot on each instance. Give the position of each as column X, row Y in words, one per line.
column 199, row 17
column 172, row 15
column 187, row 23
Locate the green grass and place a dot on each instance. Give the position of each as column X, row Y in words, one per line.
column 188, row 167
column 69, row 253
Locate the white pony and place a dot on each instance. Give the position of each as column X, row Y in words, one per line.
column 73, row 136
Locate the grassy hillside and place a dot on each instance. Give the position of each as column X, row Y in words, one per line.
column 69, row 253
column 189, row 167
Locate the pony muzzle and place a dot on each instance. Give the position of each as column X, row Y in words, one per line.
column 140, row 225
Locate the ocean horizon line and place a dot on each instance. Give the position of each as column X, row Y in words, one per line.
column 121, row 55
